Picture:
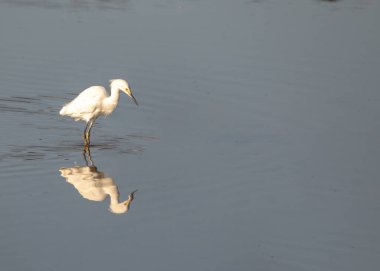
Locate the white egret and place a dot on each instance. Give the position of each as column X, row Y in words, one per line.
column 94, row 102
column 95, row 185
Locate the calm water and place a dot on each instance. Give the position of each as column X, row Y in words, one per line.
column 255, row 145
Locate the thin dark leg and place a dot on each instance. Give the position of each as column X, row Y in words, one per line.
column 84, row 153
column 87, row 153
column 89, row 131
column 84, row 134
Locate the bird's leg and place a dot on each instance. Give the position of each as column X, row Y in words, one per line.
column 87, row 153
column 89, row 131
column 89, row 156
column 84, row 153
column 84, row 135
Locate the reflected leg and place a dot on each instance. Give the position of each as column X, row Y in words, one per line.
column 87, row 154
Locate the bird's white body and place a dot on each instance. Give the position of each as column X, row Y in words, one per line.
column 91, row 103
column 96, row 186
column 94, row 102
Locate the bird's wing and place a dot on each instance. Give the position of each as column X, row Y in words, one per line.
column 87, row 102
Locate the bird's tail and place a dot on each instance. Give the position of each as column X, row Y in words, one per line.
column 63, row 111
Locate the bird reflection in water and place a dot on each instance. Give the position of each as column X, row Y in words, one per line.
column 96, row 185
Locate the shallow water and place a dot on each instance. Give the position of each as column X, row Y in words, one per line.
column 255, row 145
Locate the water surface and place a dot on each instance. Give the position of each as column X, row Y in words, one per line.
column 255, row 145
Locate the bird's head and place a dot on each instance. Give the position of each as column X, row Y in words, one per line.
column 123, row 86
column 122, row 207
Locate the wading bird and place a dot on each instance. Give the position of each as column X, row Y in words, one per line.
column 94, row 102
column 95, row 185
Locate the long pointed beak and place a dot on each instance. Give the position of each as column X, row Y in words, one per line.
column 131, row 197
column 134, row 99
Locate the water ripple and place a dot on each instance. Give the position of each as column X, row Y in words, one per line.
column 130, row 144
column 72, row 4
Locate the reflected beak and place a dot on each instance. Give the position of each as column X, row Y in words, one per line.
column 131, row 197
column 134, row 99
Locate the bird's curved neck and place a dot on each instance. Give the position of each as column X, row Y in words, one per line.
column 114, row 196
column 111, row 101
column 114, row 97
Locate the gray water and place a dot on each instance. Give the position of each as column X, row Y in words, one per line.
column 255, row 145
